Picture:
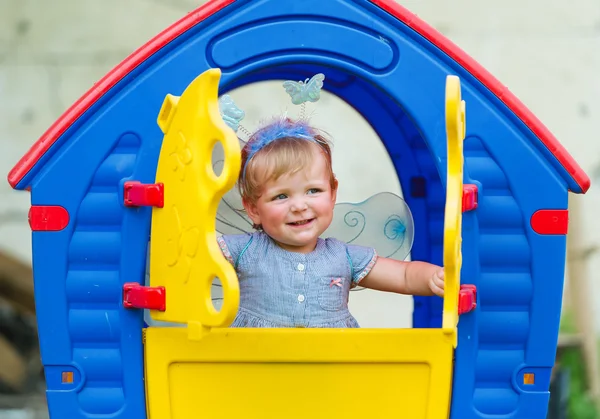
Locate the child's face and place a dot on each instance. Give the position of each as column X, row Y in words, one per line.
column 296, row 209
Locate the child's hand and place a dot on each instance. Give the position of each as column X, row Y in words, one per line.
column 436, row 283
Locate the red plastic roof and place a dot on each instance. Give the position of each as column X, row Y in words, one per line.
column 28, row 161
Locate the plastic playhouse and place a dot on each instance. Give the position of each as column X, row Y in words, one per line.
column 131, row 160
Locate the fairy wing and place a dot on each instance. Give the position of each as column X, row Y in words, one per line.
column 231, row 217
column 383, row 221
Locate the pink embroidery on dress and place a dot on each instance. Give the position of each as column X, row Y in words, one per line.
column 336, row 281
column 225, row 249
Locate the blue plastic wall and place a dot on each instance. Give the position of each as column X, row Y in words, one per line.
column 396, row 80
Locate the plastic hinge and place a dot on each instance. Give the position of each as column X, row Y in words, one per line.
column 137, row 194
column 139, row 296
column 469, row 197
column 467, row 298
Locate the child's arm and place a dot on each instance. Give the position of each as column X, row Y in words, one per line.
column 412, row 278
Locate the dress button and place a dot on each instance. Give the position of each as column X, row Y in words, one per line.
column 300, row 267
column 301, row 298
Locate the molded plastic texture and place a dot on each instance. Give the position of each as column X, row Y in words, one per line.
column 48, row 218
column 550, row 221
column 139, row 296
column 185, row 255
column 137, row 194
column 110, row 136
column 455, row 132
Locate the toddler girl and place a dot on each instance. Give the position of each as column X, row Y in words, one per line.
column 288, row 275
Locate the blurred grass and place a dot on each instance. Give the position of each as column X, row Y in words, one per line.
column 581, row 406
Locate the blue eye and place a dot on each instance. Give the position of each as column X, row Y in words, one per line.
column 313, row 191
column 280, row 196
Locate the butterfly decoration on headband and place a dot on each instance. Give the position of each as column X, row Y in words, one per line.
column 383, row 221
column 231, row 114
column 308, row 90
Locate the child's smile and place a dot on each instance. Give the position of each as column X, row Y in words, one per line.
column 302, row 223
column 295, row 209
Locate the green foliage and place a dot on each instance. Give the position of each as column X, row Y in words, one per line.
column 571, row 359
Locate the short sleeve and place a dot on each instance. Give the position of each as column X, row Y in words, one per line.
column 362, row 259
column 232, row 246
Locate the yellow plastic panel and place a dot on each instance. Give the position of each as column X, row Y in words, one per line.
column 455, row 129
column 275, row 373
column 299, row 373
column 184, row 255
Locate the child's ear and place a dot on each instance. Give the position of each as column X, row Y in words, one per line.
column 251, row 210
column 334, row 190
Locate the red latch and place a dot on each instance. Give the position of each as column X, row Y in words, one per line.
column 467, row 298
column 548, row 221
column 469, row 197
column 137, row 194
column 48, row 218
column 138, row 296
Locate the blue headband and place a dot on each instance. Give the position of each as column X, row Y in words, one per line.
column 308, row 90
column 281, row 128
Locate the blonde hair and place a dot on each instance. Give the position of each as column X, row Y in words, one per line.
column 286, row 155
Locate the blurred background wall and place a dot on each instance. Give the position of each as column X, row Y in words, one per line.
column 546, row 51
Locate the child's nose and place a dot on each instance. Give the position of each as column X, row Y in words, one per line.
column 299, row 204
